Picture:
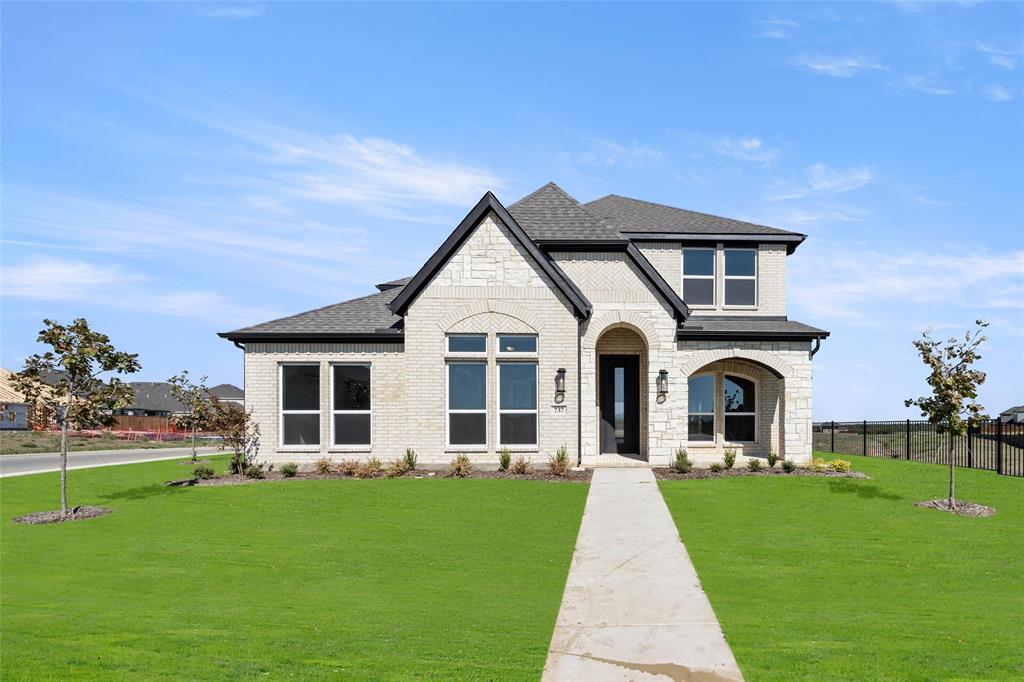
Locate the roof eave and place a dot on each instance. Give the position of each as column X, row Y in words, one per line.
column 791, row 241
column 312, row 337
column 706, row 335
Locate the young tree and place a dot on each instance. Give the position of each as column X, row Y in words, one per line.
column 952, row 406
column 78, row 397
column 240, row 432
column 195, row 398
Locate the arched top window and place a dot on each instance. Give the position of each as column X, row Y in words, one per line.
column 739, row 400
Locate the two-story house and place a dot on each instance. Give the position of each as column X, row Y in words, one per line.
column 620, row 329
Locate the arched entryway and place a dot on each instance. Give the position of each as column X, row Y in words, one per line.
column 622, row 395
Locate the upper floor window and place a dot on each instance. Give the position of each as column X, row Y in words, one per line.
column 300, row 404
column 740, row 277
column 467, row 343
column 699, row 276
column 517, row 343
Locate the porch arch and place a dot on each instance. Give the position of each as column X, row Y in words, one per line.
column 771, row 362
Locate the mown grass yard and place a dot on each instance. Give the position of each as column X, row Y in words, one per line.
column 843, row 579
column 33, row 442
column 341, row 579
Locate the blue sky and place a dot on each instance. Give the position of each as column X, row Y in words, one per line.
column 170, row 171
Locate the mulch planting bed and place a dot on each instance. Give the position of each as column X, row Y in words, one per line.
column 76, row 514
column 962, row 508
column 538, row 475
column 670, row 475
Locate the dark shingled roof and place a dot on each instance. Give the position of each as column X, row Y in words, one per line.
column 633, row 216
column 550, row 213
column 155, row 396
column 227, row 392
column 366, row 315
column 395, row 283
column 740, row 326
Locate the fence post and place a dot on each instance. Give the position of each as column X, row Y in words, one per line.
column 970, row 454
column 864, row 440
column 999, row 445
column 908, row 440
column 832, row 447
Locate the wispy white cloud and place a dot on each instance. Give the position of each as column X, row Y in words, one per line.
column 836, row 66
column 927, row 85
column 994, row 92
column 49, row 279
column 823, row 180
column 822, row 215
column 232, row 11
column 745, row 149
column 1005, row 59
column 776, row 28
column 850, row 284
column 609, row 154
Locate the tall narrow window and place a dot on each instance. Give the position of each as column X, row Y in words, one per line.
column 741, row 277
column 518, row 404
column 300, row 404
column 699, row 276
column 351, row 404
column 739, row 408
column 701, row 421
column 467, row 403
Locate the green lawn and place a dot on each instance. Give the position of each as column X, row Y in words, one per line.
column 843, row 579
column 383, row 579
column 32, row 442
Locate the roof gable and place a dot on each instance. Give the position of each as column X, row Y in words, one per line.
column 487, row 204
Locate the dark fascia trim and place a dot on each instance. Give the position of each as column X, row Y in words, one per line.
column 682, row 311
column 790, row 240
column 684, row 334
column 311, row 337
column 488, row 202
column 585, row 245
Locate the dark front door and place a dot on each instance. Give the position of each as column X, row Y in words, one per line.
column 620, row 404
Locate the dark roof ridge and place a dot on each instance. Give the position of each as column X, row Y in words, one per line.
column 688, row 210
column 386, row 292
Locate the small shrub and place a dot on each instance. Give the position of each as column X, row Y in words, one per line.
column 289, row 469
column 788, row 466
column 348, row 467
column 753, row 465
column 323, row 466
column 253, row 471
column 521, row 466
column 410, row 459
column 681, row 464
column 203, row 471
column 716, row 467
column 558, row 464
column 368, row 469
column 504, row 459
column 818, row 464
column 840, row 465
column 399, row 467
column 460, row 467
column 773, row 457
column 729, row 459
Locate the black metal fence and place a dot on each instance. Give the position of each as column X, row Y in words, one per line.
column 993, row 445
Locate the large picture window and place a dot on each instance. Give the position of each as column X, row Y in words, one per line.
column 739, row 408
column 300, row 404
column 517, row 405
column 350, row 406
column 699, row 276
column 701, row 422
column 467, row 403
column 741, row 277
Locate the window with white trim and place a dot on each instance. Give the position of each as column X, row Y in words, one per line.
column 517, row 343
column 739, row 401
column 701, row 418
column 467, row 403
column 517, row 403
column 350, row 404
column 300, row 404
column 467, row 343
column 699, row 276
column 741, row 277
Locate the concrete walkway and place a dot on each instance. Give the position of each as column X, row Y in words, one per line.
column 633, row 607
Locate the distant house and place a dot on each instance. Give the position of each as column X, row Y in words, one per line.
column 228, row 393
column 155, row 399
column 15, row 412
column 1014, row 415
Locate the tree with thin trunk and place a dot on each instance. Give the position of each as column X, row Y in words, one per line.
column 76, row 394
column 195, row 400
column 952, row 407
column 239, row 431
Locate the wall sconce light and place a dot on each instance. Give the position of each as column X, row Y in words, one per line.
column 663, row 383
column 560, row 385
